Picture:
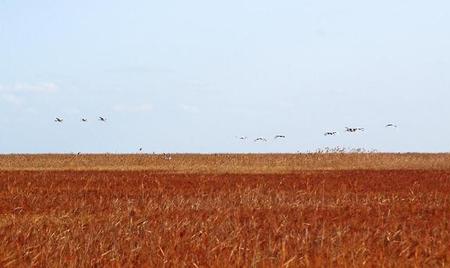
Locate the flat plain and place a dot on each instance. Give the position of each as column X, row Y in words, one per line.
column 259, row 210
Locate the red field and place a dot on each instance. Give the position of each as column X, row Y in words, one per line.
column 225, row 210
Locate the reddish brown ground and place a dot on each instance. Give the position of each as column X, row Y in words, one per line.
column 148, row 218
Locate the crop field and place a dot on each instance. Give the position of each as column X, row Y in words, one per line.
column 286, row 210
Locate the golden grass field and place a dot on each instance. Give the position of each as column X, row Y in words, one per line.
column 284, row 210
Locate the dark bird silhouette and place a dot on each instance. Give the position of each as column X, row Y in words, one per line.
column 354, row 129
column 59, row 120
column 280, row 137
column 103, row 119
column 391, row 125
column 330, row 133
column 260, row 139
column 84, row 120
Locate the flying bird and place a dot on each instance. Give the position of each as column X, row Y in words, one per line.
column 59, row 120
column 103, row 119
column 330, row 133
column 279, row 137
column 242, row 137
column 391, row 125
column 260, row 139
column 354, row 129
column 84, row 120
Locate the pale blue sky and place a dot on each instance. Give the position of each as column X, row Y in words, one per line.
column 189, row 76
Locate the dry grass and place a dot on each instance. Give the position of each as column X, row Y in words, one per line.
column 229, row 163
column 251, row 210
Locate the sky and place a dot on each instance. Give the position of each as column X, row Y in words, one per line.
column 191, row 76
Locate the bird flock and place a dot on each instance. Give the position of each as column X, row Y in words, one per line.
column 327, row 133
column 355, row 129
column 262, row 139
column 60, row 120
column 84, row 120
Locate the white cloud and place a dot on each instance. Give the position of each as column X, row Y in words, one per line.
column 133, row 108
column 190, row 108
column 10, row 98
column 30, row 88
